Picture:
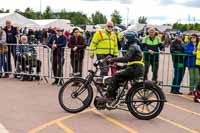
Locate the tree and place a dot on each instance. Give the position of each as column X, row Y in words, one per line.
column 184, row 27
column 30, row 13
column 63, row 14
column 48, row 13
column 18, row 11
column 98, row 18
column 2, row 10
column 142, row 20
column 78, row 18
column 116, row 17
column 197, row 26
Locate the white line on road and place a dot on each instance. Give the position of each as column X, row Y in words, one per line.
column 3, row 129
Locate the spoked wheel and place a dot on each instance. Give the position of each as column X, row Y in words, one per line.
column 145, row 104
column 74, row 96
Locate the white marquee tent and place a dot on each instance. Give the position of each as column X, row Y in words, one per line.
column 17, row 20
column 46, row 23
column 141, row 27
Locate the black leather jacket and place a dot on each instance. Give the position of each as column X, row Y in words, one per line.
column 134, row 53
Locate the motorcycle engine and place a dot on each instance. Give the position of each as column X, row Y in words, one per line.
column 106, row 80
column 99, row 103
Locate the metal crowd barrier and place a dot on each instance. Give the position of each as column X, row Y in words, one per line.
column 62, row 64
column 70, row 64
column 33, row 62
column 166, row 69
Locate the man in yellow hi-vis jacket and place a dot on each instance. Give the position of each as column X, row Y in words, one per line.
column 197, row 91
column 104, row 43
column 198, row 55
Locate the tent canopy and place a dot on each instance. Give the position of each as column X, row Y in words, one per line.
column 46, row 23
column 17, row 20
column 142, row 27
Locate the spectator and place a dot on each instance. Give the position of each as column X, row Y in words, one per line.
column 45, row 36
column 167, row 40
column 31, row 36
column 197, row 94
column 197, row 91
column 25, row 31
column 177, row 47
column 190, row 62
column 186, row 38
column 38, row 36
column 119, row 38
column 3, row 53
column 105, row 43
column 77, row 45
column 11, row 38
column 67, row 35
column 26, row 55
column 88, row 37
column 152, row 44
column 57, row 42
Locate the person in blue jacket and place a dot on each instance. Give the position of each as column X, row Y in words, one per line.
column 27, row 55
column 57, row 42
column 190, row 62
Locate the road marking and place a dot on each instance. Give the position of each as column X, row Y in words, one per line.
column 3, row 129
column 177, row 125
column 183, row 96
column 115, row 122
column 66, row 129
column 183, row 109
column 187, row 97
column 57, row 120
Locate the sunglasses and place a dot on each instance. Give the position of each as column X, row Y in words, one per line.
column 110, row 26
column 193, row 37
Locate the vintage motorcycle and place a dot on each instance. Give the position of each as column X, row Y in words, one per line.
column 144, row 99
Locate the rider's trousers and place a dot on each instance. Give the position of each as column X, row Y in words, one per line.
column 130, row 73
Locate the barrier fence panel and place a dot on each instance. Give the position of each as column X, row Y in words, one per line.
column 65, row 64
column 25, row 60
column 172, row 69
column 62, row 63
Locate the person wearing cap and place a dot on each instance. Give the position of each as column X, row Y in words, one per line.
column 176, row 49
column 190, row 62
column 104, row 43
column 57, row 42
column 152, row 44
column 77, row 45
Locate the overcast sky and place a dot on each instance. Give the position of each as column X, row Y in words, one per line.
column 157, row 11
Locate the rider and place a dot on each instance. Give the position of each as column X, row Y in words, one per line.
column 134, row 68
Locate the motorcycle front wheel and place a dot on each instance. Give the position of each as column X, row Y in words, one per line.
column 74, row 96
